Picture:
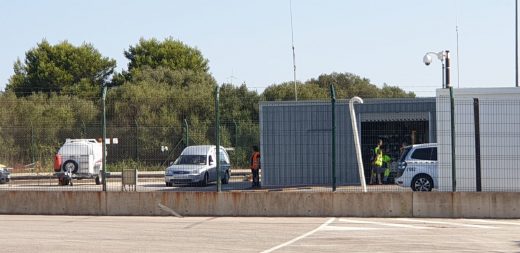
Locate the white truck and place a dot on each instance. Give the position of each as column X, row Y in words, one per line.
column 79, row 159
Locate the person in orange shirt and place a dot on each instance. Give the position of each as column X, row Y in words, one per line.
column 254, row 164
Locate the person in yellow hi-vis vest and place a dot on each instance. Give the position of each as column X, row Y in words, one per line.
column 386, row 164
column 373, row 156
column 377, row 169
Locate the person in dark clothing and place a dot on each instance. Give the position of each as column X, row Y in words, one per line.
column 254, row 164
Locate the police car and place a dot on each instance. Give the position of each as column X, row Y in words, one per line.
column 417, row 167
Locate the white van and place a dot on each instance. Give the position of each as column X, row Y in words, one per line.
column 80, row 159
column 417, row 167
column 197, row 165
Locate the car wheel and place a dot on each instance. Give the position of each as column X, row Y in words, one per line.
column 98, row 180
column 205, row 180
column 70, row 166
column 225, row 180
column 422, row 183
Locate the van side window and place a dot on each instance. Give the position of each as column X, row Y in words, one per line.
column 434, row 154
column 422, row 154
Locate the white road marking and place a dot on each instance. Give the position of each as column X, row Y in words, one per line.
column 383, row 224
column 299, row 237
column 495, row 222
column 340, row 228
column 444, row 223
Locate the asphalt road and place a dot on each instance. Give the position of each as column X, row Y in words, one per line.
column 237, row 183
column 255, row 234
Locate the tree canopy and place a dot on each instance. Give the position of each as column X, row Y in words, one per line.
column 61, row 68
column 49, row 98
column 169, row 53
column 347, row 85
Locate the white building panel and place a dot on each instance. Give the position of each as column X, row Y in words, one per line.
column 499, row 112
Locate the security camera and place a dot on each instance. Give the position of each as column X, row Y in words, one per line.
column 427, row 59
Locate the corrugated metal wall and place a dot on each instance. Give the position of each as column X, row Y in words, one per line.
column 295, row 139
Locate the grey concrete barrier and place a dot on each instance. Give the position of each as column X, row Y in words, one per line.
column 260, row 203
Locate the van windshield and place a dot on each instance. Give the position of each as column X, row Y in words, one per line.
column 403, row 155
column 191, row 159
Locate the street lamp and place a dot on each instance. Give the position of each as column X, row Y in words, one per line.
column 444, row 57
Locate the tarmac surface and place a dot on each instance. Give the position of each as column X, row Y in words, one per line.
column 154, row 181
column 255, row 234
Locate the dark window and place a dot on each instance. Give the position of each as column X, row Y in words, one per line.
column 403, row 155
column 191, row 159
column 434, row 154
column 422, row 154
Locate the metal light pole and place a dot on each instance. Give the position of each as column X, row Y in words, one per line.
column 357, row 143
column 444, row 57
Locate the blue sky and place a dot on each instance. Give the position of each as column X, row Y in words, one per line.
column 250, row 40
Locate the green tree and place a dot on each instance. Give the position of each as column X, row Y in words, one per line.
column 34, row 126
column 238, row 103
column 169, row 53
column 61, row 68
column 347, row 85
column 285, row 91
column 158, row 100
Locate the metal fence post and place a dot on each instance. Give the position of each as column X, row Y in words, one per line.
column 104, row 148
column 136, row 140
column 453, row 159
column 236, row 142
column 186, row 132
column 217, row 138
column 32, row 144
column 333, row 104
column 478, row 164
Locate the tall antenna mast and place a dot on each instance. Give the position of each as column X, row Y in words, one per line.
column 293, row 54
column 457, row 31
column 516, row 43
column 458, row 59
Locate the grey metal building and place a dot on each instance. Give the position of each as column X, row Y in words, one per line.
column 296, row 137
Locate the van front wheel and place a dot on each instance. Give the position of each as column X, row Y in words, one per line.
column 205, row 180
column 422, row 183
column 225, row 180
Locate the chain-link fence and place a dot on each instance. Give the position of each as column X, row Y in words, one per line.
column 54, row 143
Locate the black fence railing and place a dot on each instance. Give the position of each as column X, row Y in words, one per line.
column 295, row 140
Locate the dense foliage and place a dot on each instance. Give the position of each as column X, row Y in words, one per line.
column 61, row 68
column 165, row 99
